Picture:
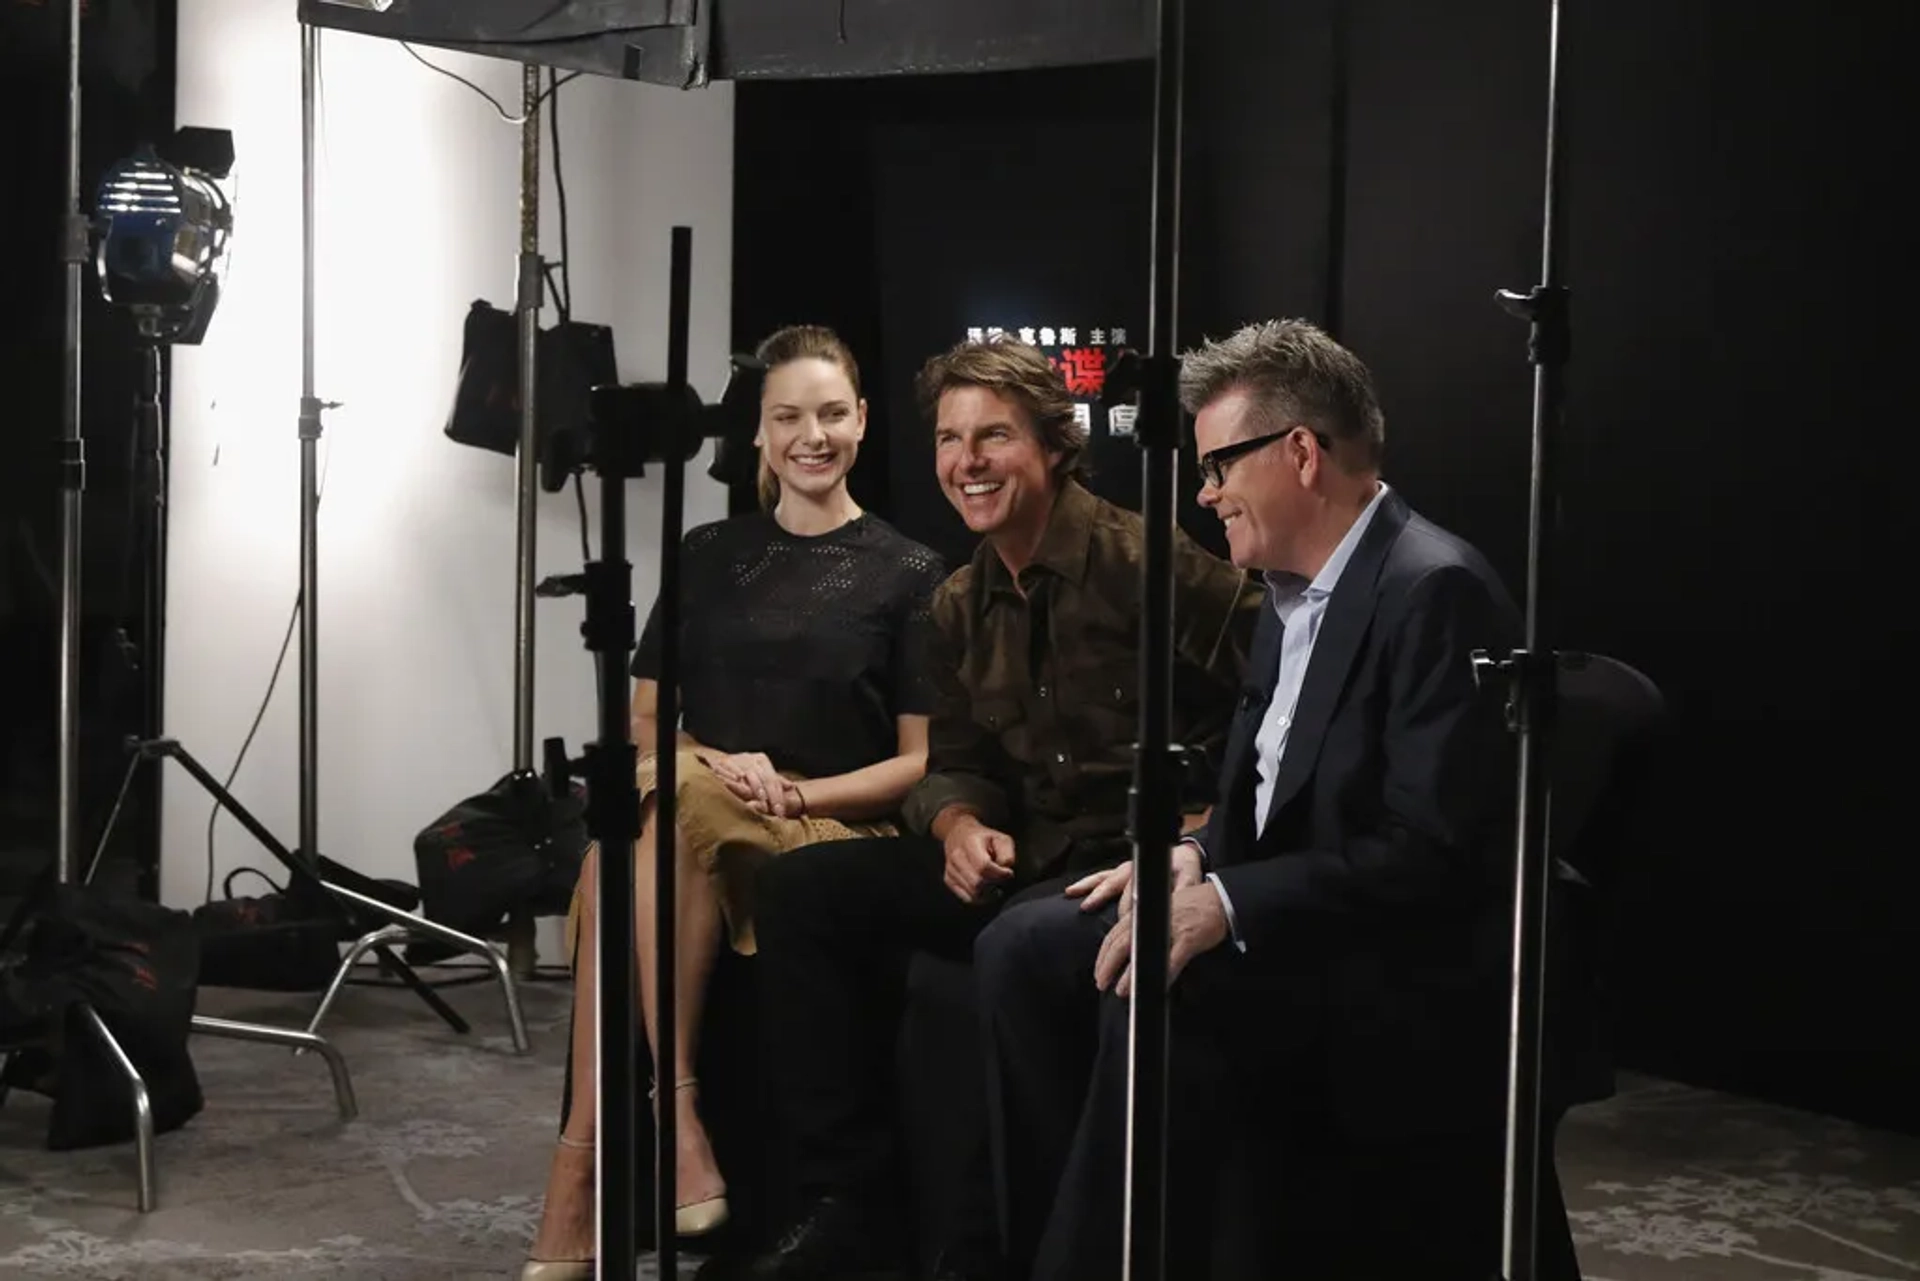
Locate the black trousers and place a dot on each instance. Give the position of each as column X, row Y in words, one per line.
column 1264, row 1180
column 838, row 923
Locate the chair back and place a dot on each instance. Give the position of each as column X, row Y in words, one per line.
column 1606, row 717
column 1601, row 758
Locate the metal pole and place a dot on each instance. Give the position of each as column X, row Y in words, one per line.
column 154, row 443
column 1531, row 673
column 673, row 495
column 73, row 472
column 527, row 490
column 1156, row 819
column 310, row 429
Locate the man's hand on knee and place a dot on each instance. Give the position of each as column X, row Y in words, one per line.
column 1100, row 888
column 1198, row 924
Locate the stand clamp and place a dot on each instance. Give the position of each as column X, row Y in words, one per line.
column 1547, row 309
column 1529, row 680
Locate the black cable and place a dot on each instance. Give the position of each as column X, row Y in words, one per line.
column 580, row 498
column 455, row 75
column 560, row 194
column 564, row 295
column 266, row 701
column 213, row 814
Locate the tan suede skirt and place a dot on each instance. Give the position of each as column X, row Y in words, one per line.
column 728, row 840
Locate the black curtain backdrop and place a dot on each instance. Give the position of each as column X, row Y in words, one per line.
column 1731, row 487
column 972, row 204
column 127, row 98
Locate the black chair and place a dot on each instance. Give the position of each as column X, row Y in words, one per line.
column 1602, row 757
column 942, row 1101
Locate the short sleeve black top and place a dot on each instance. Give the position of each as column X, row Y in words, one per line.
column 805, row 648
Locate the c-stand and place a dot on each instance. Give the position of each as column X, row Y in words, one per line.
column 1160, row 765
column 362, row 907
column 1527, row 675
column 634, row 425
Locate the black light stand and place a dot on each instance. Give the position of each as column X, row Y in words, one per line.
column 75, row 237
column 72, row 464
column 634, row 425
column 1159, row 764
column 1528, row 676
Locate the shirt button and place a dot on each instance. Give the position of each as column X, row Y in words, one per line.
column 1043, row 691
column 1060, row 758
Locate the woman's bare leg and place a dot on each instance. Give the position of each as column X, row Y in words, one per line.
column 567, row 1220
column 696, row 945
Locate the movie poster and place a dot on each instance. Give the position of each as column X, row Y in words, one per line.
column 1082, row 354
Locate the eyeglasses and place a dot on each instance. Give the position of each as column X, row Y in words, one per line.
column 1213, row 463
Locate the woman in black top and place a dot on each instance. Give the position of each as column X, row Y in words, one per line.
column 805, row 720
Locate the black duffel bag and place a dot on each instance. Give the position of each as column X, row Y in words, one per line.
column 137, row 965
column 289, row 940
column 513, row 845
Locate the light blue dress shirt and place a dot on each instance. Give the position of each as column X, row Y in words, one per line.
column 1300, row 606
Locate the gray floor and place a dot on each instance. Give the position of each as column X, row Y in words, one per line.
column 440, row 1178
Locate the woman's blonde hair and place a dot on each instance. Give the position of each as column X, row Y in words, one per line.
column 783, row 347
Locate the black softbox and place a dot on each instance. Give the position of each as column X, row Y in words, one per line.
column 683, row 42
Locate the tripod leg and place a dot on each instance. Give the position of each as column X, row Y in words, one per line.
column 142, row 1107
column 412, row 926
column 337, row 1065
column 433, row 999
column 360, row 948
column 516, row 1020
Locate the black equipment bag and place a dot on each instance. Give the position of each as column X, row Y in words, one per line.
column 513, row 845
column 573, row 359
column 138, row 966
column 272, row 943
column 287, row 941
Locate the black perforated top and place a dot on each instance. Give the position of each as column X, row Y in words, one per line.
column 805, row 648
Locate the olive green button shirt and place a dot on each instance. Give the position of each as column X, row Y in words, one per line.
column 1036, row 686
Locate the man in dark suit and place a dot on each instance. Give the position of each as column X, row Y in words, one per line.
column 1338, row 932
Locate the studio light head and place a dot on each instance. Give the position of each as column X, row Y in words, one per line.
column 163, row 224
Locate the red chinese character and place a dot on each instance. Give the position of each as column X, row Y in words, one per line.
column 1084, row 368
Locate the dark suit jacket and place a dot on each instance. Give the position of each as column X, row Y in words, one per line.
column 1378, row 886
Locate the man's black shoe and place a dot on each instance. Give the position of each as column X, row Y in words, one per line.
column 836, row 1240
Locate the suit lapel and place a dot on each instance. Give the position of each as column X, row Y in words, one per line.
column 1342, row 630
column 1237, row 768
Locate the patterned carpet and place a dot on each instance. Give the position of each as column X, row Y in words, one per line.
column 440, row 1177
column 1668, row 1183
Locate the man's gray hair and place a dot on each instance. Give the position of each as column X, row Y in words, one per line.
column 1295, row 373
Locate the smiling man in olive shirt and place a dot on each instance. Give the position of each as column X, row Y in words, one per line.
column 1035, row 667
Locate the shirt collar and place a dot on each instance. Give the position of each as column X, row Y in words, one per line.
column 1063, row 545
column 1284, row 588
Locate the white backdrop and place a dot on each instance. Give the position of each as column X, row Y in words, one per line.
column 418, row 180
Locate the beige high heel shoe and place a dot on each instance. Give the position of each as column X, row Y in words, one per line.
column 560, row 1269
column 697, row 1218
